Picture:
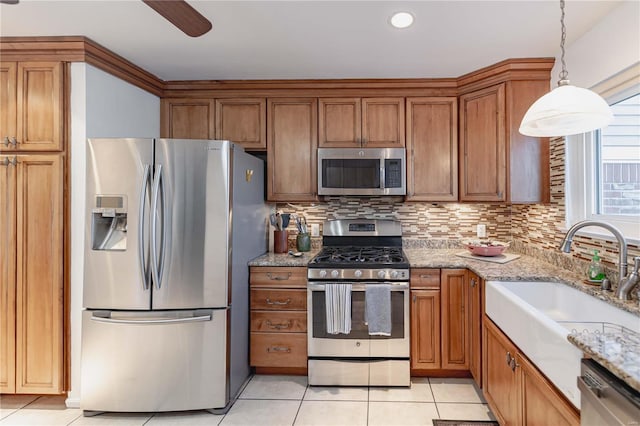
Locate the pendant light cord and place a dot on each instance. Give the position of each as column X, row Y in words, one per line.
column 563, row 74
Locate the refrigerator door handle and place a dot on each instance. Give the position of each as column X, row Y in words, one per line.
column 156, row 267
column 200, row 318
column 141, row 227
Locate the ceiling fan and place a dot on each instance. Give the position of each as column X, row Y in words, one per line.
column 178, row 12
column 182, row 15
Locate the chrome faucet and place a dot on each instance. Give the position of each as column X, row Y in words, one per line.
column 625, row 284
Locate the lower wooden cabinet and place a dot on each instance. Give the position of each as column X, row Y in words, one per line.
column 444, row 311
column 31, row 275
column 516, row 391
column 278, row 321
column 455, row 319
column 425, row 329
column 476, row 310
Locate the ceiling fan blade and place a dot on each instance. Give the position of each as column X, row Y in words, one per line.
column 182, row 15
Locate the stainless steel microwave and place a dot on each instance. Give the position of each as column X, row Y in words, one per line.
column 362, row 171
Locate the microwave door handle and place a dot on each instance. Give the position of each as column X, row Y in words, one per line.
column 382, row 174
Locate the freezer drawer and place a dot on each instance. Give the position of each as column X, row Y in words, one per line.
column 154, row 361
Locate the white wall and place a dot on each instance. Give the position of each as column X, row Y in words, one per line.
column 612, row 45
column 101, row 106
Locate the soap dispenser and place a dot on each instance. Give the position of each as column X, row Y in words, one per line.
column 595, row 272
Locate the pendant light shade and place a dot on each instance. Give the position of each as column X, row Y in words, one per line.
column 566, row 110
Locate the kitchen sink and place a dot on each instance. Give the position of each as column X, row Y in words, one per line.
column 538, row 316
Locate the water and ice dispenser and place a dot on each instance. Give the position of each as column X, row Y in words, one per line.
column 109, row 223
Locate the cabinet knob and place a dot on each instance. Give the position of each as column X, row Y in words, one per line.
column 5, row 161
column 13, row 141
column 473, row 282
column 509, row 358
column 5, row 141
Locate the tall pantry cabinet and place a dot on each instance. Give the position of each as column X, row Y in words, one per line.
column 32, row 164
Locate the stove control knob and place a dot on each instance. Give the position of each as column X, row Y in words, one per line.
column 394, row 274
column 381, row 274
column 358, row 273
column 334, row 274
column 323, row 273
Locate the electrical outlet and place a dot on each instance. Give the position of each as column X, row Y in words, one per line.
column 315, row 230
column 481, row 230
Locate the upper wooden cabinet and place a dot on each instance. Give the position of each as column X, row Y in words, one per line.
column 31, row 116
column 187, row 118
column 361, row 122
column 243, row 121
column 292, row 141
column 482, row 145
column 432, row 149
column 31, row 274
column 497, row 163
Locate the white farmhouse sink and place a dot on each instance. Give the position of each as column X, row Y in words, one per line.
column 533, row 313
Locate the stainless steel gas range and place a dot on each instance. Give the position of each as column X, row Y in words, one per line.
column 360, row 280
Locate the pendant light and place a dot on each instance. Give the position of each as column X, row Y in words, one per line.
column 566, row 110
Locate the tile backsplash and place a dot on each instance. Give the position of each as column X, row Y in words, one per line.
column 534, row 229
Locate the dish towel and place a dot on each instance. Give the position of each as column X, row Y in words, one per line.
column 378, row 309
column 338, row 308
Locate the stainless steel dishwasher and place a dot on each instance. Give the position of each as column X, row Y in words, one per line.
column 605, row 399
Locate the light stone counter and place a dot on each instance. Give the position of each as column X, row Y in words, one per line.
column 614, row 353
column 284, row 259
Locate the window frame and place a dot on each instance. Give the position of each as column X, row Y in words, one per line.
column 581, row 170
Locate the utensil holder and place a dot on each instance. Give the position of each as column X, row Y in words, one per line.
column 280, row 241
column 303, row 242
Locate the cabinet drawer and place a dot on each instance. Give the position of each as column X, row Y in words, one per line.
column 279, row 349
column 279, row 322
column 281, row 300
column 278, row 276
column 425, row 278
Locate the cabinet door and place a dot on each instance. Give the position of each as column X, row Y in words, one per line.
column 483, row 145
column 340, row 122
column 39, row 260
column 455, row 332
column 475, row 327
column 542, row 404
column 187, row 118
column 292, row 141
column 7, row 277
column 242, row 121
column 501, row 385
column 8, row 81
column 425, row 329
column 383, row 122
column 432, row 149
column 39, row 106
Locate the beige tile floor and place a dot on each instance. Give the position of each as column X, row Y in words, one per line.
column 283, row 400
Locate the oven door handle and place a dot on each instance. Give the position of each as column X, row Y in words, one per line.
column 360, row 286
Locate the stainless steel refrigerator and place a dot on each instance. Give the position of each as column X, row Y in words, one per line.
column 170, row 227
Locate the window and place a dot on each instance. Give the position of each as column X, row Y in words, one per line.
column 603, row 167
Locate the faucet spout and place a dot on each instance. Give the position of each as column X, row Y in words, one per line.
column 565, row 246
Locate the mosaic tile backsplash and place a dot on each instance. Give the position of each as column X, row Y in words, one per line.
column 533, row 229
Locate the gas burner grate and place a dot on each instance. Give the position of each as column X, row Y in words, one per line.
column 360, row 255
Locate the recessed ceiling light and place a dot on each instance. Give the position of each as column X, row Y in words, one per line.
column 401, row 19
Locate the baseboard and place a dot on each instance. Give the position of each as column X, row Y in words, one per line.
column 72, row 402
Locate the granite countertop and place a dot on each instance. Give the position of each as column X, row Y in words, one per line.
column 612, row 349
column 284, row 259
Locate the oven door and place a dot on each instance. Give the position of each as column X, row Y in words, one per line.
column 358, row 343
